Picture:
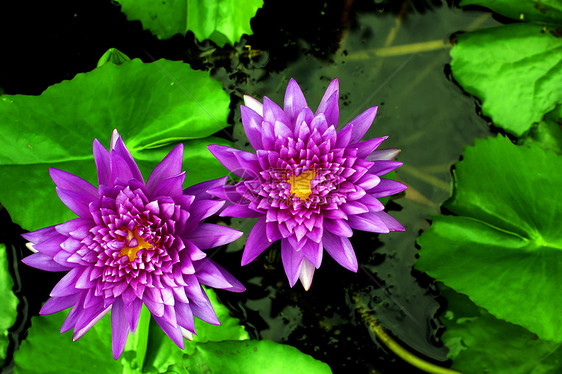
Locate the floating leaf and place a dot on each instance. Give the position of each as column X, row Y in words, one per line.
column 163, row 353
column 504, row 249
column 8, row 301
column 46, row 351
column 251, row 357
column 515, row 70
column 480, row 343
column 548, row 133
column 540, row 11
column 152, row 105
column 222, row 21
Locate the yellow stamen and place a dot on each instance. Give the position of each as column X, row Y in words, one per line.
column 131, row 252
column 301, row 184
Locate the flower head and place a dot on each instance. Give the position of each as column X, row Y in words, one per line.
column 308, row 183
column 133, row 243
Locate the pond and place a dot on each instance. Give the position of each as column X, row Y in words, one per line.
column 390, row 54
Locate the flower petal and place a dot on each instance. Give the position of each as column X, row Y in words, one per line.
column 294, row 101
column 169, row 167
column 341, row 250
column 361, row 124
column 257, row 242
column 368, row 222
column 306, row 274
column 210, row 235
column 252, row 122
column 101, row 157
column 387, row 187
column 70, row 182
column 292, row 261
column 121, row 161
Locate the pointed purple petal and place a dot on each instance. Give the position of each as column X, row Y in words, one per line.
column 294, row 101
column 199, row 190
column 238, row 162
column 70, row 182
column 344, row 136
column 389, row 221
column 118, row 147
column 341, row 250
column 210, row 235
column 387, row 187
column 57, row 304
column 213, row 275
column 382, row 167
column 361, row 124
column 273, row 112
column 257, row 242
column 292, row 261
column 240, row 211
column 366, row 147
column 252, row 123
column 184, row 316
column 368, row 222
column 78, row 202
column 44, row 262
column 204, row 310
column 313, row 252
column 338, row 227
column 170, row 166
column 327, row 101
column 67, row 285
column 101, row 157
column 330, row 110
column 172, row 186
column 174, row 332
column 119, row 328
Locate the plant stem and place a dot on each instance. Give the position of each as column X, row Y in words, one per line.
column 391, row 344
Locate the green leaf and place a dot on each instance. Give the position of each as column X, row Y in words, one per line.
column 46, row 351
column 152, row 105
column 480, row 343
column 251, row 357
column 515, row 70
column 548, row 133
column 8, row 301
column 114, row 56
column 540, row 11
column 222, row 21
column 163, row 353
column 504, row 249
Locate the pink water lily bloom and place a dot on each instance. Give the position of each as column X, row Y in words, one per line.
column 133, row 243
column 309, row 184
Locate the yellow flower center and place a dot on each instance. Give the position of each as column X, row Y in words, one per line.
column 131, row 252
column 301, row 184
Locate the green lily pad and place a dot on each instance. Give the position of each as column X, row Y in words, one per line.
column 149, row 350
column 504, row 248
column 548, row 133
column 222, row 21
column 251, row 357
column 540, row 11
column 480, row 343
column 152, row 105
column 46, row 351
column 163, row 353
column 515, row 70
column 9, row 302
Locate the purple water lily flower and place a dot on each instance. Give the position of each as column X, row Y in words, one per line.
column 133, row 243
column 309, row 184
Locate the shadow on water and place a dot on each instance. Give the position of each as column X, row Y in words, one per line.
column 387, row 53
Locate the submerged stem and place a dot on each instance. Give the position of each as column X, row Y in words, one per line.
column 391, row 344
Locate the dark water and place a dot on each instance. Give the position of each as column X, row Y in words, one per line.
column 421, row 110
